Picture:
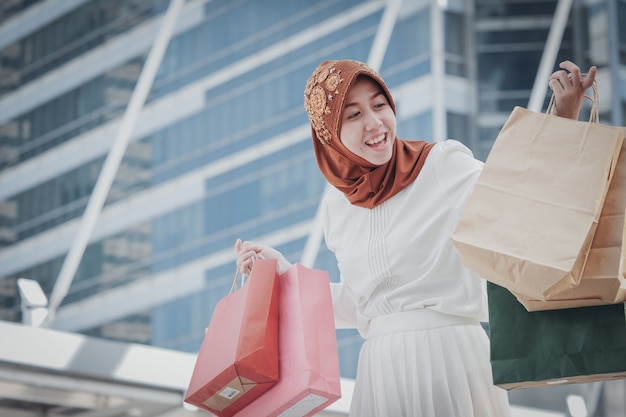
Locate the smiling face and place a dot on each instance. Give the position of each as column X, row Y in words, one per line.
column 368, row 123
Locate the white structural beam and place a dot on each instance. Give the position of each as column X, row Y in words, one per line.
column 548, row 57
column 383, row 34
column 616, row 96
column 62, row 374
column 114, row 158
column 438, row 69
column 374, row 60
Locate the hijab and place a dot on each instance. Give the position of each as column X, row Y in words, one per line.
column 364, row 184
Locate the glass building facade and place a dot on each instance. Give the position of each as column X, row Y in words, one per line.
column 222, row 149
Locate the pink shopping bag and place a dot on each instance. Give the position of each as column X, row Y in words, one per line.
column 238, row 359
column 308, row 362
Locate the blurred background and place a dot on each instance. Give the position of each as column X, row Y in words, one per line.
column 217, row 148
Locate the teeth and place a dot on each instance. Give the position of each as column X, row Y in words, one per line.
column 376, row 140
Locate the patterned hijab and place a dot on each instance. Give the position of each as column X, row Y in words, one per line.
column 363, row 183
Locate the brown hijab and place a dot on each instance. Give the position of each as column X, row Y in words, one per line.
column 364, row 184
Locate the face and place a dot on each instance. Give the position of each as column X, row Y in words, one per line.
column 368, row 124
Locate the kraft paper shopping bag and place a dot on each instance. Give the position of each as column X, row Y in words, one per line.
column 309, row 365
column 529, row 223
column 543, row 348
column 238, row 359
column 602, row 280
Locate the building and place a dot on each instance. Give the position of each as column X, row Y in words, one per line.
column 221, row 149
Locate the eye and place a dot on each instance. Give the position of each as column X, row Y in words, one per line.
column 353, row 115
column 380, row 105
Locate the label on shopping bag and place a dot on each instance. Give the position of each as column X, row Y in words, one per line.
column 231, row 392
column 304, row 406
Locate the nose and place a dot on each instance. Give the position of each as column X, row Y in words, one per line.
column 372, row 121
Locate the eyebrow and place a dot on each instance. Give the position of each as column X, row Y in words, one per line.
column 379, row 92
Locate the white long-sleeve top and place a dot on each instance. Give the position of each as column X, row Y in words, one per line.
column 399, row 256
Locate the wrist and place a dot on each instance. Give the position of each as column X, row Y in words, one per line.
column 571, row 115
column 282, row 266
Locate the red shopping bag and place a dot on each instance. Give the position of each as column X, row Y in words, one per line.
column 238, row 359
column 309, row 366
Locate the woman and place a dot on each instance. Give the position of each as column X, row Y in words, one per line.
column 389, row 220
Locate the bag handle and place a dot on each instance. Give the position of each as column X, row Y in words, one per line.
column 233, row 287
column 594, row 116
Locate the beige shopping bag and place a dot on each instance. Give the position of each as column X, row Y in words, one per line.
column 529, row 223
column 603, row 280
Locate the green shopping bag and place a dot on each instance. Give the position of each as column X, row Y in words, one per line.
column 576, row 345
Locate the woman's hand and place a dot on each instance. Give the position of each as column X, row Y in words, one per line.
column 569, row 88
column 248, row 252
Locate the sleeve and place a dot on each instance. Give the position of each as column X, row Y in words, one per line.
column 457, row 171
column 344, row 306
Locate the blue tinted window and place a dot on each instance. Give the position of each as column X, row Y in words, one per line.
column 234, row 30
column 72, row 35
column 493, row 8
column 419, row 127
column 408, row 53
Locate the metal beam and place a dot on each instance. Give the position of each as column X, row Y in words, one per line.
column 438, row 69
column 36, row 392
column 374, row 60
column 617, row 117
column 13, row 412
column 383, row 34
column 550, row 51
column 114, row 158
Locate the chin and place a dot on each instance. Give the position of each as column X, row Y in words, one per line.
column 379, row 159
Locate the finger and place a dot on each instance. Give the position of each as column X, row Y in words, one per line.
column 557, row 73
column 237, row 245
column 554, row 84
column 250, row 263
column 574, row 71
column 243, row 257
column 241, row 260
column 569, row 66
column 239, row 264
column 565, row 79
column 247, row 266
column 559, row 83
column 562, row 79
column 251, row 256
column 590, row 78
column 244, row 265
column 252, row 247
column 248, row 246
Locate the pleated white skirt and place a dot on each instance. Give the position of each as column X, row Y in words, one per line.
column 432, row 372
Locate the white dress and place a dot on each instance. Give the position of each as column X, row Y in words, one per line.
column 403, row 287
